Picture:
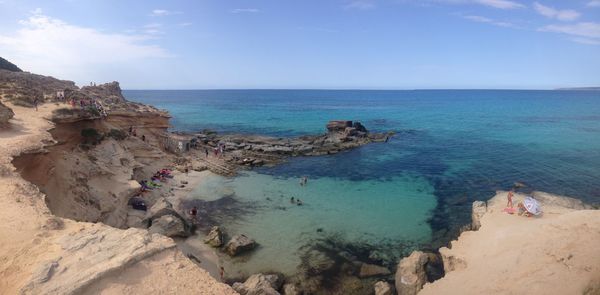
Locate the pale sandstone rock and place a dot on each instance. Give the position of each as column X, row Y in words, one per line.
column 5, row 114
column 478, row 210
column 259, row 284
column 91, row 253
column 168, row 225
column 291, row 289
column 239, row 244
column 383, row 288
column 214, row 237
column 410, row 275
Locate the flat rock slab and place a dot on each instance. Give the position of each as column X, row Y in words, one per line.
column 90, row 254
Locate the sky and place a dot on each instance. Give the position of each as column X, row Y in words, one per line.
column 315, row 44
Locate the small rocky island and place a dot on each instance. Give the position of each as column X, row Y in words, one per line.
column 243, row 151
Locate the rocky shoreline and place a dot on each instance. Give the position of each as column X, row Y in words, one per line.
column 72, row 231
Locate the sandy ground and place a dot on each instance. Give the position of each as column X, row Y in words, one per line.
column 44, row 254
column 557, row 253
column 203, row 254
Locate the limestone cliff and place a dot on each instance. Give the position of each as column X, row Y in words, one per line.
column 41, row 253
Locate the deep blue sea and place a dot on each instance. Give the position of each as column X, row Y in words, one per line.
column 451, row 147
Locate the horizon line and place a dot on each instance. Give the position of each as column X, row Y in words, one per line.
column 591, row 88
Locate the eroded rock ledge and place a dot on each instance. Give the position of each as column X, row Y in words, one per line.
column 512, row 254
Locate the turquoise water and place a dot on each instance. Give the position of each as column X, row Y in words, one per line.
column 451, row 147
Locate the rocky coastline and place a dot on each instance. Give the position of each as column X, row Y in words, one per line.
column 65, row 210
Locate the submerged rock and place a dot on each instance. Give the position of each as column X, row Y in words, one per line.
column 214, row 237
column 239, row 244
column 411, row 275
column 383, row 288
column 372, row 270
column 260, row 284
column 291, row 289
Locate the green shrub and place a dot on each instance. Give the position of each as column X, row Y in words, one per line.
column 116, row 134
column 91, row 136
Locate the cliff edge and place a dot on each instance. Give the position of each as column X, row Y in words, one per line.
column 556, row 253
column 41, row 253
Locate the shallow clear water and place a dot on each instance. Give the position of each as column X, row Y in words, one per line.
column 373, row 211
column 452, row 147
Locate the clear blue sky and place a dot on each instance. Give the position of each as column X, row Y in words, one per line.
column 366, row 44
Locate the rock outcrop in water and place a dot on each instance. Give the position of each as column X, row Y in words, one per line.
column 215, row 237
column 239, row 244
column 254, row 150
column 260, row 284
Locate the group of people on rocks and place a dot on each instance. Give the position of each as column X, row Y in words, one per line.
column 92, row 104
column 159, row 176
column 133, row 132
column 529, row 207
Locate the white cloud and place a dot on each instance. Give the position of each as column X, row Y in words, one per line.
column 360, row 4
column 502, row 4
column 550, row 12
column 482, row 19
column 185, row 24
column 51, row 46
column 245, row 10
column 594, row 3
column 585, row 29
column 163, row 12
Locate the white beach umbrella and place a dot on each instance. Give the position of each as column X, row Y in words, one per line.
column 532, row 206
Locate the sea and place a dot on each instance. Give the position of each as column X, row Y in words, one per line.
column 381, row 201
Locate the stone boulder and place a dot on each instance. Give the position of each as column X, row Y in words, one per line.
column 372, row 270
column 411, row 275
column 338, row 125
column 214, row 237
column 170, row 226
column 239, row 244
column 259, row 284
column 5, row 114
column 383, row 288
column 317, row 262
column 359, row 127
column 479, row 209
column 291, row 289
